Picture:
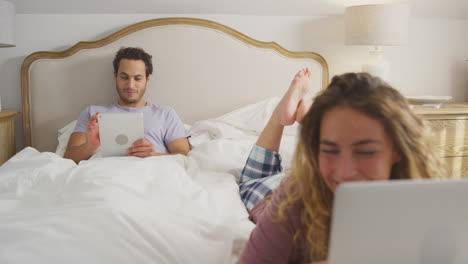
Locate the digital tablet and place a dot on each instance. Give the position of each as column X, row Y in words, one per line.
column 118, row 131
column 400, row 221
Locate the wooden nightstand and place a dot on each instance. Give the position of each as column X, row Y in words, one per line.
column 450, row 127
column 7, row 134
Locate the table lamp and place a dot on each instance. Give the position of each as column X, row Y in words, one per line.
column 7, row 26
column 7, row 23
column 377, row 25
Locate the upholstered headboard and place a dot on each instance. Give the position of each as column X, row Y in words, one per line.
column 202, row 69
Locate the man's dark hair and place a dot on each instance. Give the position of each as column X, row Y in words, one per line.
column 133, row 54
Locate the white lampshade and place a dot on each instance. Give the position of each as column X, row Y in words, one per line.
column 384, row 24
column 377, row 25
column 7, row 23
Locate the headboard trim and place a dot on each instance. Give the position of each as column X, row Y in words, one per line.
column 28, row 61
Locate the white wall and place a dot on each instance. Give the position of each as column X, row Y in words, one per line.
column 433, row 63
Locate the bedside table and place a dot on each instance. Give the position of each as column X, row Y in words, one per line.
column 7, row 134
column 449, row 125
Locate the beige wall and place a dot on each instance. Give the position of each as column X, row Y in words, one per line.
column 434, row 62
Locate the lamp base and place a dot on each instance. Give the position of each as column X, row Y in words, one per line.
column 377, row 65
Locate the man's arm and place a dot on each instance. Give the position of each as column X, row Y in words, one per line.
column 179, row 146
column 78, row 148
column 82, row 145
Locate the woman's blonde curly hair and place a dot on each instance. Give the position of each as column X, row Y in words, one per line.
column 378, row 100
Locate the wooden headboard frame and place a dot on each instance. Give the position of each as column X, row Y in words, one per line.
column 125, row 32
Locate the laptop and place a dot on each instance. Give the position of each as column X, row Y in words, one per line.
column 400, row 222
column 118, row 131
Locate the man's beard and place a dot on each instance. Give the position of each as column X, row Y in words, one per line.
column 127, row 101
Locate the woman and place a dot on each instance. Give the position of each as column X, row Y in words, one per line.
column 358, row 129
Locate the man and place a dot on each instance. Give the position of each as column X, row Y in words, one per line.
column 164, row 132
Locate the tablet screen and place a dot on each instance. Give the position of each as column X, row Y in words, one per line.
column 118, row 131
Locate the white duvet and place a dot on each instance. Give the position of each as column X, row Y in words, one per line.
column 168, row 209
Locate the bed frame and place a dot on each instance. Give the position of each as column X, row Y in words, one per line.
column 203, row 69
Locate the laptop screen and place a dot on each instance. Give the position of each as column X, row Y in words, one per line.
column 399, row 222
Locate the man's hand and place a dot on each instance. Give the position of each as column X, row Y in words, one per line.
column 142, row 148
column 93, row 131
column 83, row 145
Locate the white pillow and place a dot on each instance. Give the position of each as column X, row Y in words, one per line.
column 245, row 123
column 254, row 117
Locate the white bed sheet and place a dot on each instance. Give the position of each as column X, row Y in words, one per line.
column 168, row 209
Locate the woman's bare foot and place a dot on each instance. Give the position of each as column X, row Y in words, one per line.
column 289, row 108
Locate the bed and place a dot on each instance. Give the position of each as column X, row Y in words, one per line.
column 224, row 86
